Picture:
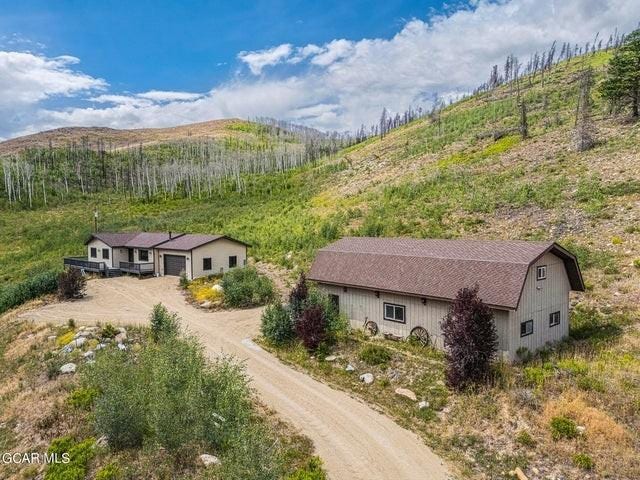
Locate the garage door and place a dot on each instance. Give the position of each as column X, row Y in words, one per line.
column 174, row 264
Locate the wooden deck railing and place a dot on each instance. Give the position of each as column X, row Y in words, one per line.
column 84, row 263
column 139, row 268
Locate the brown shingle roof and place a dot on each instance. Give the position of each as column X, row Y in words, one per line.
column 437, row 268
column 133, row 239
column 191, row 241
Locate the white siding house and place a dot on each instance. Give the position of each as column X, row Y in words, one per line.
column 402, row 287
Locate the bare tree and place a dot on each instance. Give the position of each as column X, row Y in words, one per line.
column 584, row 130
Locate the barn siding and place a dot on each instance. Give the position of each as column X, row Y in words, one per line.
column 361, row 306
column 539, row 299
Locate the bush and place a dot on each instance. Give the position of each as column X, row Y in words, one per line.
column 336, row 324
column 71, row 284
column 311, row 327
column 79, row 455
column 298, row 296
column 563, row 427
column 108, row 331
column 524, row 438
column 184, row 281
column 163, row 323
column 374, row 355
column 111, row 471
column 83, row 398
column 65, row 338
column 245, row 287
column 470, row 339
column 584, row 461
column 276, row 324
column 311, row 471
column 15, row 294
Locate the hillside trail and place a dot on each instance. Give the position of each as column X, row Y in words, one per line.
column 353, row 440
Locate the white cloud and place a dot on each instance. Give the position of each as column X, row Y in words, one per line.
column 263, row 58
column 338, row 85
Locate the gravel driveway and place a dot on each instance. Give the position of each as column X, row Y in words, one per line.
column 354, row 441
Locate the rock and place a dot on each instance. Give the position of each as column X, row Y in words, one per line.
column 68, row 368
column 209, row 460
column 206, row 304
column 423, row 404
column 122, row 346
column 405, row 392
column 393, row 375
column 217, row 288
column 89, row 354
column 350, row 368
column 102, row 441
column 366, row 378
column 581, row 429
column 51, row 338
column 83, row 333
column 78, row 342
column 121, row 337
column 330, row 358
column 100, row 346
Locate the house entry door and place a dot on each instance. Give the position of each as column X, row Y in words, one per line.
column 131, row 255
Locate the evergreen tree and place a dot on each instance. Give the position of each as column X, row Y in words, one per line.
column 470, row 339
column 622, row 85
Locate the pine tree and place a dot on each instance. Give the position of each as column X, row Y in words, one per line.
column 470, row 339
column 622, row 85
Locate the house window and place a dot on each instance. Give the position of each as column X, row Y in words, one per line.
column 206, row 264
column 335, row 301
column 554, row 319
column 143, row 255
column 526, row 328
column 105, row 253
column 394, row 313
column 541, row 272
column 233, row 261
column 94, row 252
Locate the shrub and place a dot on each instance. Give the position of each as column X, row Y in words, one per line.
column 311, row 327
column 563, row 427
column 65, row 338
column 83, row 398
column 163, row 323
column 184, row 281
column 111, row 471
column 584, row 461
column 470, row 339
column 276, row 324
column 524, row 438
column 636, row 263
column 79, row 455
column 591, row 383
column 311, row 471
column 245, row 287
column 336, row 324
column 298, row 296
column 15, row 294
column 374, row 355
column 108, row 331
column 71, row 284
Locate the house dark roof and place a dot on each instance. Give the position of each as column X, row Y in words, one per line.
column 437, row 268
column 191, row 241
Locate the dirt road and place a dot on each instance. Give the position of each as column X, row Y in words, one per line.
column 354, row 441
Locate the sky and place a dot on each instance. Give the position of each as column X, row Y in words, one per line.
column 328, row 64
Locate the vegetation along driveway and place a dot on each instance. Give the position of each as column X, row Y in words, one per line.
column 354, row 441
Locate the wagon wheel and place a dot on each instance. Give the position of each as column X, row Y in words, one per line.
column 421, row 335
column 371, row 328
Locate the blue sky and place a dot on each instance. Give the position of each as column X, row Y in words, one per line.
column 329, row 64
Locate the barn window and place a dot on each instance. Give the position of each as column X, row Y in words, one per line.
column 394, row 313
column 94, row 252
column 233, row 261
column 541, row 272
column 143, row 255
column 105, row 253
column 526, row 328
column 554, row 319
column 206, row 263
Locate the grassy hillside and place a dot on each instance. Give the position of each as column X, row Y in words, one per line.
column 445, row 176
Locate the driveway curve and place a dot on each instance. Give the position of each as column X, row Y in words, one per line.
column 353, row 440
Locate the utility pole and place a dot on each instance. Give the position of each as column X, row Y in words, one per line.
column 95, row 221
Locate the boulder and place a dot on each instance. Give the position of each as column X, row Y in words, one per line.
column 121, row 337
column 217, row 288
column 366, row 378
column 423, row 404
column 122, row 346
column 581, row 429
column 209, row 460
column 78, row 342
column 350, row 368
column 330, row 358
column 100, row 346
column 89, row 354
column 405, row 392
column 68, row 368
column 206, row 304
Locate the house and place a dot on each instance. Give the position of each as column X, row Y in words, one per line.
column 160, row 253
column 403, row 286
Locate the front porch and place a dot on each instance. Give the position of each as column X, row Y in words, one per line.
column 145, row 268
column 136, row 268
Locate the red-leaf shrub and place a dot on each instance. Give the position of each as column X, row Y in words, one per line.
column 311, row 327
column 470, row 339
column 298, row 296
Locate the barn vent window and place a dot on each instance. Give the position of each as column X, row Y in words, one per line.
column 526, row 328
column 206, row 264
column 541, row 272
column 554, row 319
column 394, row 313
